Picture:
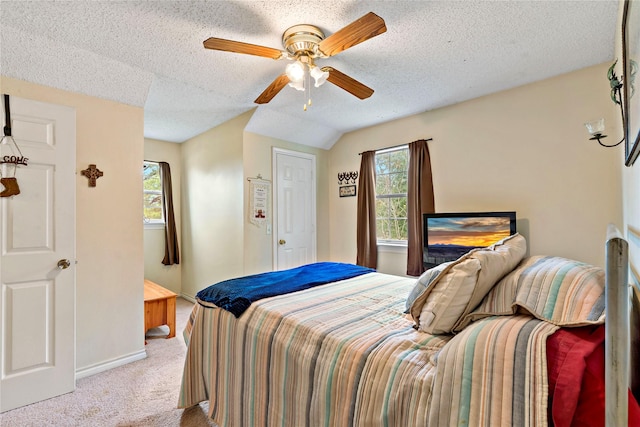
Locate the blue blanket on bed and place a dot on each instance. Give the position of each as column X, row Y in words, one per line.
column 236, row 295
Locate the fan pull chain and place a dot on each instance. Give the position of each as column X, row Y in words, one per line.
column 306, row 88
column 309, row 84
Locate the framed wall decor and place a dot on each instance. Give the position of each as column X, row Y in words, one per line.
column 347, row 191
column 631, row 56
column 259, row 193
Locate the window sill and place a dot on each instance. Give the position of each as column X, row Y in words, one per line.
column 153, row 226
column 392, row 248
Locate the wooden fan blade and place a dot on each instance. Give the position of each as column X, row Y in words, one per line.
column 240, row 47
column 347, row 83
column 273, row 89
column 370, row 25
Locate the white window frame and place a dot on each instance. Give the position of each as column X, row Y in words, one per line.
column 390, row 245
column 153, row 223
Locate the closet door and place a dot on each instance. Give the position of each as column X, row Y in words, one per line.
column 295, row 208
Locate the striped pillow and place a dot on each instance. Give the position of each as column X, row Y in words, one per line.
column 559, row 290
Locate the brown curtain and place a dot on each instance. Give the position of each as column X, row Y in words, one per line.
column 366, row 225
column 419, row 201
column 171, row 255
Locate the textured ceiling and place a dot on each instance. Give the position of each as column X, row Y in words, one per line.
column 434, row 53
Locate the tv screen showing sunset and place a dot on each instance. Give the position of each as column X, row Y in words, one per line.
column 452, row 237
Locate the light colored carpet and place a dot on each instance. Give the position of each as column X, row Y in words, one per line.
column 142, row 393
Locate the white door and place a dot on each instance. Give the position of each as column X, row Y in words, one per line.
column 37, row 230
column 295, row 207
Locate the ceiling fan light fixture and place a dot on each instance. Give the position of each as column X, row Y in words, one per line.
column 295, row 72
column 319, row 76
column 297, row 85
column 303, row 44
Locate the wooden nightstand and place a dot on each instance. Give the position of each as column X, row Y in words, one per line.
column 159, row 307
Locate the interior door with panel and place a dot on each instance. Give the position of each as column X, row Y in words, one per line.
column 37, row 259
column 295, row 207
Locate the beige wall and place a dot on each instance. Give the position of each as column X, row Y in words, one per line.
column 219, row 241
column 524, row 149
column 212, row 206
column 109, row 274
column 258, row 246
column 168, row 276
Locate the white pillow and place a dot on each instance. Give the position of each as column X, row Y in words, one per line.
column 449, row 298
column 496, row 261
column 423, row 283
column 462, row 284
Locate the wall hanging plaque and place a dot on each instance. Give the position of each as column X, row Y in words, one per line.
column 259, row 200
column 10, row 156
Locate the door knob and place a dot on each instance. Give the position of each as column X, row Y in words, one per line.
column 63, row 264
column 282, row 241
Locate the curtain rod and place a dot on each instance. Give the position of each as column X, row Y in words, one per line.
column 396, row 146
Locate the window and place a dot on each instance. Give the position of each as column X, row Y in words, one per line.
column 152, row 185
column 391, row 195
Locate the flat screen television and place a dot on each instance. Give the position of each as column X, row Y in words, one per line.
column 448, row 236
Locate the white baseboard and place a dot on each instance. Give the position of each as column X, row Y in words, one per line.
column 188, row 297
column 110, row 364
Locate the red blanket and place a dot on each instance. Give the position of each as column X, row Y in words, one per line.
column 576, row 378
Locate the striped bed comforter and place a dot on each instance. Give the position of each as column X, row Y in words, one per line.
column 343, row 354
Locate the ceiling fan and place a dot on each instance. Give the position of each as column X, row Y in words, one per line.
column 304, row 44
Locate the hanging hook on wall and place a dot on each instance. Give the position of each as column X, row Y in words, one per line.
column 341, row 176
column 347, row 177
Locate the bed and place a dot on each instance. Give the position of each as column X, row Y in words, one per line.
column 493, row 338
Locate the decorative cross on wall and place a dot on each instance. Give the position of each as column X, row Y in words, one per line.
column 93, row 173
